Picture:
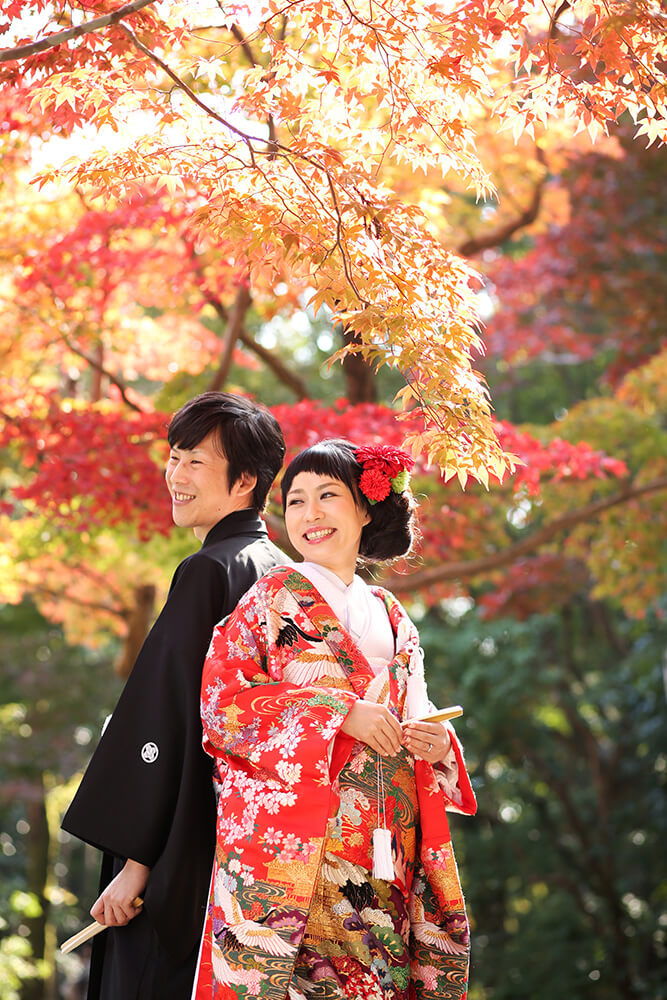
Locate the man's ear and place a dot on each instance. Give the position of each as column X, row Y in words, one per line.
column 244, row 485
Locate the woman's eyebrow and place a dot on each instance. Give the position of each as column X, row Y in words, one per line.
column 320, row 486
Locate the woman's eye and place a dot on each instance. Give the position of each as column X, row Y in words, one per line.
column 290, row 503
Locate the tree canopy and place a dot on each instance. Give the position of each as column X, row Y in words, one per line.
column 255, row 163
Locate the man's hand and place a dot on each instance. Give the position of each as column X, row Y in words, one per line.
column 115, row 907
column 374, row 725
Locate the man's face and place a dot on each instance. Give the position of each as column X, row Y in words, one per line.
column 197, row 483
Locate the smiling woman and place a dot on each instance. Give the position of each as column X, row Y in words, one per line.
column 378, row 481
column 334, row 872
column 324, row 522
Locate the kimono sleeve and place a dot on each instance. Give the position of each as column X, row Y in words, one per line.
column 451, row 774
column 251, row 715
column 149, row 776
column 452, row 777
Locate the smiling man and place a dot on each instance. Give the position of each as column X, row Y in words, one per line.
column 147, row 798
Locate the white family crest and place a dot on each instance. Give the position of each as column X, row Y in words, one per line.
column 149, row 753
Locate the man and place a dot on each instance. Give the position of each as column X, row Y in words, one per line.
column 146, row 798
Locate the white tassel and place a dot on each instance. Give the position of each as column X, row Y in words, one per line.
column 383, row 862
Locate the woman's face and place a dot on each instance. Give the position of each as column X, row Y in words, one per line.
column 324, row 522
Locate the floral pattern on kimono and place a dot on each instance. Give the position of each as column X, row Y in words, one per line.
column 298, row 803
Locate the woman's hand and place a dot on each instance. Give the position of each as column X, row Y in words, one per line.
column 427, row 740
column 375, row 726
column 115, row 907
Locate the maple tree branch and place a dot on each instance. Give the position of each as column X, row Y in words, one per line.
column 496, row 560
column 244, row 43
column 30, row 48
column 556, row 16
column 98, row 367
column 272, row 361
column 635, row 57
column 189, row 92
column 235, row 318
column 100, row 580
column 250, row 56
column 79, row 602
column 273, row 141
column 500, row 235
column 273, row 149
column 293, row 381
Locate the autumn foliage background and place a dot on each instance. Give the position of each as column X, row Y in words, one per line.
column 463, row 204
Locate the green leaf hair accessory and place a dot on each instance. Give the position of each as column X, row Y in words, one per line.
column 401, row 481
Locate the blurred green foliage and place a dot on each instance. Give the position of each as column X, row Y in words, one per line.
column 564, row 866
column 53, row 700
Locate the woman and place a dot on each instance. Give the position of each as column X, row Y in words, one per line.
column 334, row 873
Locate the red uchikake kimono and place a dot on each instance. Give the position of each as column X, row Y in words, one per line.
column 294, row 911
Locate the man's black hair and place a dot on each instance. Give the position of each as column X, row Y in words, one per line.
column 247, row 434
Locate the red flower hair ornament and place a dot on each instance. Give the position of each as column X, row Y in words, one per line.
column 385, row 470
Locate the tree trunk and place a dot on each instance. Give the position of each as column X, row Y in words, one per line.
column 37, row 863
column 235, row 323
column 139, row 618
column 96, row 376
column 359, row 375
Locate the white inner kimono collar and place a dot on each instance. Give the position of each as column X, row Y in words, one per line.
column 358, row 609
